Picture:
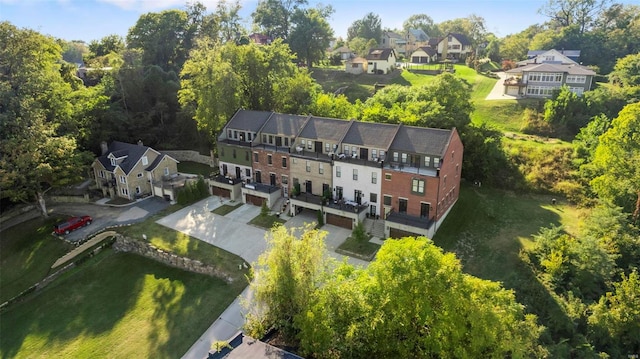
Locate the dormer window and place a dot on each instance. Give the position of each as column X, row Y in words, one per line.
column 113, row 161
column 145, row 160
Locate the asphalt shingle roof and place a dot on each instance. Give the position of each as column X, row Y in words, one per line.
column 122, row 149
column 248, row 120
column 328, row 129
column 286, row 125
column 430, row 141
column 379, row 54
column 370, row 134
column 572, row 69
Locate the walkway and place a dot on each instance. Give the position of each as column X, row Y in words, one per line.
column 90, row 243
column 497, row 93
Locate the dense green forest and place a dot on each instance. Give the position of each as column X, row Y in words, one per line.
column 179, row 75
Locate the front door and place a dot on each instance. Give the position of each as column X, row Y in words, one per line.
column 372, row 210
column 258, row 177
column 364, row 153
column 238, row 175
column 424, row 210
column 339, row 192
column 308, row 187
column 318, row 146
column 357, row 196
column 224, row 170
column 402, row 206
column 272, row 179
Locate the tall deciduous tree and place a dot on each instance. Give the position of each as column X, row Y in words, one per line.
column 34, row 98
column 423, row 22
column 218, row 80
column 582, row 13
column 274, row 16
column 618, row 159
column 311, row 34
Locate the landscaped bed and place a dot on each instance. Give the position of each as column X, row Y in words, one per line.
column 115, row 305
column 358, row 248
column 266, row 221
column 226, row 209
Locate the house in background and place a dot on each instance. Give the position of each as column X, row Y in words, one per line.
column 134, row 171
column 344, row 52
column 424, row 55
column 395, row 41
column 546, row 72
column 260, row 39
column 356, row 66
column 551, row 55
column 381, row 61
column 416, row 38
column 454, row 46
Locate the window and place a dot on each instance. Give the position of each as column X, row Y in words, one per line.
column 124, row 191
column 541, row 90
column 308, row 166
column 286, row 141
column 382, row 154
column 355, row 174
column 455, row 47
column 387, row 200
column 549, row 58
column 264, row 138
column 576, row 79
column 271, row 139
column 395, row 157
column 436, row 162
column 417, row 186
column 235, row 134
column 404, row 158
column 346, row 149
column 338, row 171
column 427, row 161
column 309, row 145
column 138, row 190
column 123, row 179
column 387, row 176
column 249, row 136
column 140, row 175
column 577, row 90
column 373, row 197
column 284, row 162
column 354, row 151
column 374, row 177
column 374, row 154
column 113, row 162
column 234, row 153
column 256, row 157
column 284, row 180
column 269, row 160
column 321, row 168
column 545, row 77
column 229, row 133
column 327, row 147
column 304, row 143
column 145, row 160
column 247, row 172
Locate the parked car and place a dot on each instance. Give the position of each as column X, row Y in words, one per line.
column 72, row 224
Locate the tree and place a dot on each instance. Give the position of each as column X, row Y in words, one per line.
column 567, row 112
column 473, row 27
column 626, row 74
column 105, row 46
column 73, row 51
column 615, row 318
column 219, row 79
column 423, row 22
column 311, row 34
column 274, row 16
column 414, row 301
column 574, row 12
column 617, row 158
column 228, row 19
column 369, row 27
column 34, row 155
column 285, row 280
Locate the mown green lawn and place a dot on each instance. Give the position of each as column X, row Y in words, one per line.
column 362, row 249
column 27, row 252
column 115, row 305
column 266, row 222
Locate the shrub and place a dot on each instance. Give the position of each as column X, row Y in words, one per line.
column 320, row 219
column 264, row 210
column 359, row 233
column 193, row 192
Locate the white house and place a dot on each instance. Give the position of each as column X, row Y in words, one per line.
column 424, row 55
column 356, row 66
column 381, row 61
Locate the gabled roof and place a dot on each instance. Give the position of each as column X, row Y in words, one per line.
column 428, row 50
column 328, row 129
column 572, row 69
column 157, row 161
column 541, row 57
column 248, row 120
column 358, row 60
column 342, row 49
column 462, row 39
column 285, row 125
column 572, row 54
column 429, row 141
column 434, row 41
column 393, row 35
column 131, row 152
column 380, row 54
column 419, row 34
column 370, row 134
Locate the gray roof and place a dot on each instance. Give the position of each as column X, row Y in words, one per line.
column 122, row 149
column 428, row 141
column 567, row 53
column 286, row 125
column 393, row 35
column 571, row 69
column 419, row 34
column 463, row 39
column 328, row 129
column 371, row 134
column 248, row 120
column 379, row 54
column 428, row 50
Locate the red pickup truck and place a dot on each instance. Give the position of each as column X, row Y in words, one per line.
column 72, row 224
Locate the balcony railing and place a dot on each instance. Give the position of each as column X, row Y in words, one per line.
column 514, row 81
column 343, row 157
column 261, row 187
column 409, row 220
column 236, row 142
column 409, row 168
column 227, row 180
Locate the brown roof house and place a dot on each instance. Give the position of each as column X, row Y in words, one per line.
column 381, row 61
column 135, row 171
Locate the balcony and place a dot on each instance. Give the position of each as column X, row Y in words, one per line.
column 236, row 142
column 514, row 81
column 175, row 180
column 261, row 187
column 266, row 147
column 348, row 206
column 343, row 157
column 301, row 152
column 409, row 220
column 227, row 180
column 409, row 168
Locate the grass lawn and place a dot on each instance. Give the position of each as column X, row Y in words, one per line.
column 27, row 252
column 505, row 115
column 115, row 305
column 267, row 221
column 196, row 168
column 362, row 249
column 488, row 227
column 226, row 209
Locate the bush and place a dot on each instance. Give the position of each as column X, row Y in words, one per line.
column 359, row 233
column 193, row 192
column 264, row 210
column 320, row 219
column 533, row 123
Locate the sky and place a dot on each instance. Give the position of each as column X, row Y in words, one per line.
column 93, row 19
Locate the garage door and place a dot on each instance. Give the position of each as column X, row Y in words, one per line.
column 255, row 200
column 217, row 191
column 397, row 233
column 344, row 222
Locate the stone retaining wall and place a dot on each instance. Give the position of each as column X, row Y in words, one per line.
column 124, row 244
column 192, row 156
column 71, row 199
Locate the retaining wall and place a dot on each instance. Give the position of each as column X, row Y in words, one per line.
column 192, row 156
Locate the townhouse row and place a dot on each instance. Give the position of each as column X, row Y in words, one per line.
column 407, row 176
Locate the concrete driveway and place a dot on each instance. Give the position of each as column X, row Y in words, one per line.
column 106, row 216
column 497, row 93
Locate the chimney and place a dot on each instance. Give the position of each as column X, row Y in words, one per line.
column 104, row 148
column 140, row 143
